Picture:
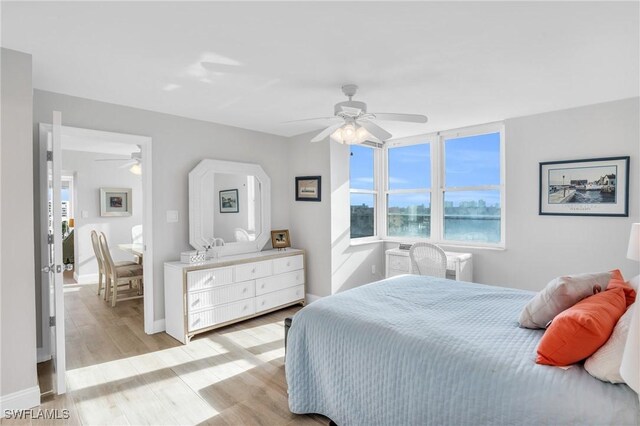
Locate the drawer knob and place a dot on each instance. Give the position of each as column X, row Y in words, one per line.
column 244, row 308
column 253, row 271
column 288, row 263
column 244, row 290
column 262, row 286
column 262, row 302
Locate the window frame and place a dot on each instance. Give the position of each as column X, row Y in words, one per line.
column 436, row 143
column 377, row 158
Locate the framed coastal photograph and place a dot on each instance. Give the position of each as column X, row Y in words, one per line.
column 280, row 239
column 308, row 188
column 590, row 187
column 229, row 201
column 115, row 202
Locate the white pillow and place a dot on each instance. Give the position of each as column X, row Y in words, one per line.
column 605, row 363
column 561, row 293
column 635, row 282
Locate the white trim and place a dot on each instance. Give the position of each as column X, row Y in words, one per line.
column 310, row 298
column 159, row 325
column 20, row 400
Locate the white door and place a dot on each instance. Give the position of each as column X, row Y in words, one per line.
column 51, row 163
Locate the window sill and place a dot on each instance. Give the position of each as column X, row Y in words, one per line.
column 364, row 241
column 446, row 246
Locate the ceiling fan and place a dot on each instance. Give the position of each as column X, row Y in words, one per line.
column 356, row 124
column 134, row 162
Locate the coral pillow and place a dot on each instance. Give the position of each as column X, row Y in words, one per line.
column 561, row 293
column 617, row 281
column 605, row 363
column 579, row 331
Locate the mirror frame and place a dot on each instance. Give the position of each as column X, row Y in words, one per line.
column 196, row 218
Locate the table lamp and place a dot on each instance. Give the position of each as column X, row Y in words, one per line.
column 633, row 252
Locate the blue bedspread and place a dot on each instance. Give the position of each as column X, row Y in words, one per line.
column 416, row 350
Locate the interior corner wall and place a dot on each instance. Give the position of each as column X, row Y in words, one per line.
column 311, row 220
column 178, row 146
column 18, row 377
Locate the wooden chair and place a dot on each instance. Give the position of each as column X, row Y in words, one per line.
column 118, row 276
column 428, row 259
column 102, row 273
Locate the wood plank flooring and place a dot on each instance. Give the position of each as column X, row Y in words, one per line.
column 117, row 374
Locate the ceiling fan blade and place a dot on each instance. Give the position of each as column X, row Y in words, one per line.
column 128, row 164
column 326, row 132
column 311, row 119
column 375, row 130
column 409, row 118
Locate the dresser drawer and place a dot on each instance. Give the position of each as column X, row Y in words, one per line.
column 198, row 280
column 279, row 282
column 278, row 298
column 402, row 263
column 287, row 264
column 222, row 313
column 220, row 295
column 251, row 271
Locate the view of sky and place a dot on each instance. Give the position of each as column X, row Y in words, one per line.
column 469, row 161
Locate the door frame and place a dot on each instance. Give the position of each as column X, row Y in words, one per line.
column 150, row 325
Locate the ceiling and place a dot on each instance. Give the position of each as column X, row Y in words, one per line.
column 459, row 63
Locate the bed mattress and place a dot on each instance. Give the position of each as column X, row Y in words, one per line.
column 415, row 350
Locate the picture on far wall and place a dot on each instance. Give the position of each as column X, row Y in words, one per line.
column 115, row 202
column 229, row 201
column 308, row 188
column 591, row 187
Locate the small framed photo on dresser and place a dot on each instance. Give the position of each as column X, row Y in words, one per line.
column 280, row 239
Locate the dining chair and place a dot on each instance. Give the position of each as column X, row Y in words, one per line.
column 428, row 259
column 118, row 276
column 102, row 272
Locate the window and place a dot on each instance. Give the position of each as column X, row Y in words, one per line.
column 472, row 188
column 363, row 191
column 408, row 195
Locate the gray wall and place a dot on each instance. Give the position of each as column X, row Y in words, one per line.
column 91, row 175
column 178, row 145
column 17, row 281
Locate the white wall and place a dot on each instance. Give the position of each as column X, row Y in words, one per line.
column 178, row 146
column 18, row 380
column 91, row 175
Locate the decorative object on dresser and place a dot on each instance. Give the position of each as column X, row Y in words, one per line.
column 209, row 295
column 308, row 188
column 229, row 201
column 592, row 187
column 280, row 239
column 459, row 265
column 115, row 202
column 193, row 256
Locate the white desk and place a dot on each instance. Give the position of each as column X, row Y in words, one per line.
column 459, row 265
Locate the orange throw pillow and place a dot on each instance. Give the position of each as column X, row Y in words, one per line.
column 579, row 331
column 617, row 281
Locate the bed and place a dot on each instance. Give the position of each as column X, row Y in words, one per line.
column 416, row 350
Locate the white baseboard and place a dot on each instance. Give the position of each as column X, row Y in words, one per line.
column 86, row 278
column 21, row 400
column 43, row 355
column 159, row 325
column 310, row 298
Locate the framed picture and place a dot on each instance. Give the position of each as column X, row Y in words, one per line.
column 308, row 188
column 229, row 201
column 115, row 202
column 592, row 187
column 280, row 239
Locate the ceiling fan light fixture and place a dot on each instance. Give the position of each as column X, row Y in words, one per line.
column 136, row 169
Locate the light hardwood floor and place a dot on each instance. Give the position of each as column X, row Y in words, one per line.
column 117, row 374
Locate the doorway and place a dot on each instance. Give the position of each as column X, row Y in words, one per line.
column 92, row 161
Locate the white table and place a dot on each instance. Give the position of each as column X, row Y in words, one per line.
column 459, row 265
column 134, row 249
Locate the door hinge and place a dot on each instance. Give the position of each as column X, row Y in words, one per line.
column 50, row 239
column 49, row 155
column 52, row 321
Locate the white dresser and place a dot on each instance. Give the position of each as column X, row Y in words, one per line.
column 203, row 296
column 459, row 265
